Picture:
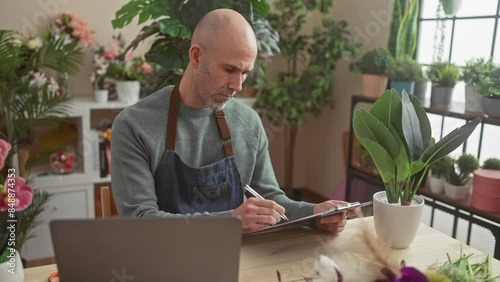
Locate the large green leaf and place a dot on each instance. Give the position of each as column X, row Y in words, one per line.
column 450, row 142
column 398, row 8
column 383, row 161
column 174, row 27
column 425, row 125
column 387, row 109
column 189, row 12
column 129, row 11
column 411, row 127
column 261, row 7
column 367, row 126
column 402, row 160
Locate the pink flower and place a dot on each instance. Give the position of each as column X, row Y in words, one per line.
column 4, row 152
column 114, row 45
column 129, row 56
column 146, row 68
column 22, row 194
column 110, row 55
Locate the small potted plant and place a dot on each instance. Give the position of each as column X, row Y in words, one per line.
column 403, row 72
column 397, row 133
column 373, row 65
column 458, row 184
column 439, row 171
column 474, row 72
column 491, row 163
column 444, row 77
column 489, row 89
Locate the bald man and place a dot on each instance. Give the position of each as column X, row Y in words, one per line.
column 187, row 149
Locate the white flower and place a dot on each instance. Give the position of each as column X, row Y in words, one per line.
column 34, row 43
column 53, row 86
column 37, row 79
column 327, row 269
column 92, row 77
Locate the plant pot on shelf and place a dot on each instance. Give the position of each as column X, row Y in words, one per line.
column 128, row 91
column 101, row 95
column 472, row 100
column 396, row 225
column 441, row 96
column 436, row 184
column 408, row 86
column 420, row 89
column 486, row 192
column 491, row 106
column 374, row 85
column 456, row 192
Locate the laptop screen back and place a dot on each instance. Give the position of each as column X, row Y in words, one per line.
column 119, row 250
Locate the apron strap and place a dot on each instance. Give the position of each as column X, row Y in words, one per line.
column 224, row 133
column 172, row 118
column 172, row 124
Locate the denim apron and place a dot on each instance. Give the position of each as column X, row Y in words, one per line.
column 182, row 189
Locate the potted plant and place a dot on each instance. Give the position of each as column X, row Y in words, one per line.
column 489, row 89
column 397, row 133
column 444, row 77
column 439, row 171
column 457, row 184
column 300, row 91
column 420, row 88
column 373, row 66
column 403, row 73
column 474, row 72
column 491, row 163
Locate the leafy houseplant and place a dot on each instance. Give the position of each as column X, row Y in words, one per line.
column 439, row 171
column 462, row 170
column 404, row 28
column 489, row 89
column 474, row 72
column 491, row 163
column 172, row 24
column 397, row 133
column 308, row 89
column 373, row 65
column 403, row 73
column 444, row 77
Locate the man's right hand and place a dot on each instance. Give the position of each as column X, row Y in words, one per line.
column 258, row 213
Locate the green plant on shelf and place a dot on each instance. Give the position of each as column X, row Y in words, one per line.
column 492, row 163
column 462, row 170
column 443, row 74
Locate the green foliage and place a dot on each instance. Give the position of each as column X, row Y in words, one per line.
column 173, row 22
column 404, row 27
column 376, row 61
column 25, row 104
column 397, row 133
column 443, row 74
column 462, row 170
column 489, row 86
column 492, row 163
column 404, row 70
column 476, row 70
column 442, row 167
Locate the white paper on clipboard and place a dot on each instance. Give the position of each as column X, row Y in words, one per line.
column 302, row 221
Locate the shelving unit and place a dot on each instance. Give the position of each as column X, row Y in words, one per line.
column 362, row 184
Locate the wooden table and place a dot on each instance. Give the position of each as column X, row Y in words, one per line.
column 293, row 253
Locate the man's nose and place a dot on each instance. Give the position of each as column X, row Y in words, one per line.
column 236, row 83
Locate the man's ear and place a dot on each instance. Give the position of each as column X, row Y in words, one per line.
column 195, row 53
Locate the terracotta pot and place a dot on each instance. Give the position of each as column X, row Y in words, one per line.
column 374, row 85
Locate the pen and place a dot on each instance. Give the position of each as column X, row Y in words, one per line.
column 257, row 195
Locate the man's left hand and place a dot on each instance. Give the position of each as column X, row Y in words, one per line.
column 334, row 223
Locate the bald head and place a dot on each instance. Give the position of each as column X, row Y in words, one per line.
column 221, row 24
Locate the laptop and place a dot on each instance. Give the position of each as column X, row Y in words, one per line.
column 122, row 250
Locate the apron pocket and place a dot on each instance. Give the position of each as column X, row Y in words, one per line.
column 210, row 198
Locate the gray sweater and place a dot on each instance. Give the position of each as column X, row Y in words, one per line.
column 138, row 143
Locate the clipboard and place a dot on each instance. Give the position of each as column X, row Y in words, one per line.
column 303, row 220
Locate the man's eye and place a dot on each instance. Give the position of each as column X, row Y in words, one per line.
column 229, row 70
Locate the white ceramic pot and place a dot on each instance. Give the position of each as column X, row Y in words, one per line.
column 436, row 184
column 101, row 95
column 456, row 192
column 396, row 225
column 12, row 270
column 128, row 91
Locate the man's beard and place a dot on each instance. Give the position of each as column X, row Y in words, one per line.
column 205, row 94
